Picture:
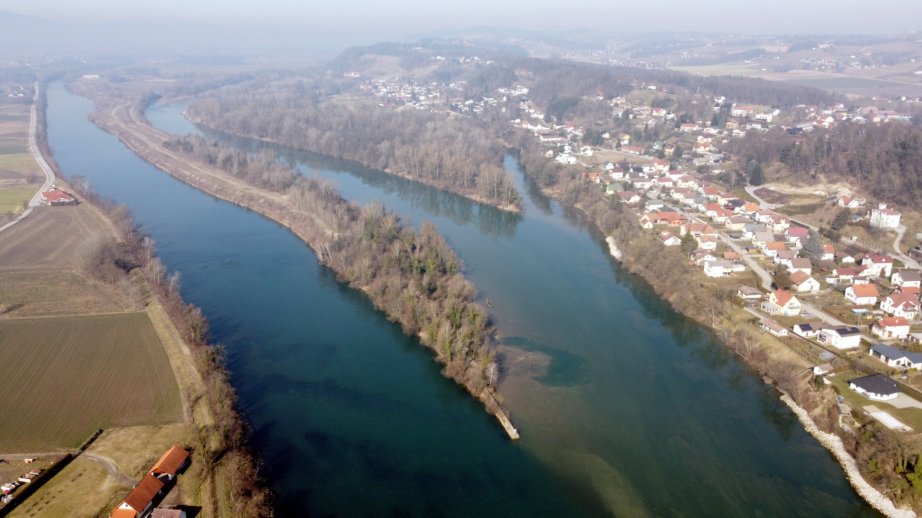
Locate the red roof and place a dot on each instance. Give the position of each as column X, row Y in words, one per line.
column 170, row 462
column 57, row 196
column 782, row 297
column 892, row 321
column 864, row 290
column 142, row 494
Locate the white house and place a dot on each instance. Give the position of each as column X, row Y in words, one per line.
column 804, row 283
column 773, row 327
column 841, row 337
column 748, row 293
column 881, row 264
column 717, row 268
column 782, row 302
column 906, row 279
column 882, row 217
column 876, row 386
column 862, row 294
column 900, row 305
column 891, row 327
column 897, row 358
column 669, row 239
column 805, row 330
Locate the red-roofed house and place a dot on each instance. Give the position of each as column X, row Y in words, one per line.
column 862, row 294
column 782, row 302
column 57, row 197
column 900, row 305
column 891, row 327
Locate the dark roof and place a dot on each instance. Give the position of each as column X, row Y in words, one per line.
column 876, row 384
column 893, row 353
column 804, row 326
column 846, row 330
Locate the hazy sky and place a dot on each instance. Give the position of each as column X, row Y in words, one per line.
column 401, row 18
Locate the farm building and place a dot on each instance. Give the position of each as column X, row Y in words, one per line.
column 57, row 197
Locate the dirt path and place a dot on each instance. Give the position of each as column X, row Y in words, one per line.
column 111, row 467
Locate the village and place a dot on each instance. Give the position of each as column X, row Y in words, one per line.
column 853, row 311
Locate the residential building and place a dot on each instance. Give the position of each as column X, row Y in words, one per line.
column 876, row 386
column 904, row 305
column 840, row 337
column 804, row 283
column 862, row 294
column 891, row 327
column 896, row 358
column 782, row 302
column 883, row 217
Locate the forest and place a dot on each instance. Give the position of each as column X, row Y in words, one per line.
column 428, row 148
column 412, row 276
column 884, row 161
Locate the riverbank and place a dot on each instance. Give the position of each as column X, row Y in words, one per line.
column 223, row 478
column 834, row 444
column 326, row 232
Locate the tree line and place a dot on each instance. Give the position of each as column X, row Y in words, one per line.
column 425, row 147
column 883, row 160
column 414, row 277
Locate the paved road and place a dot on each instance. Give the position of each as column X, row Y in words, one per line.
column 809, row 310
column 898, row 250
column 36, row 154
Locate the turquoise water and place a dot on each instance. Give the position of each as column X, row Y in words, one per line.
column 626, row 408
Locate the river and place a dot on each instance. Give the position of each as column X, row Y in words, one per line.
column 625, row 407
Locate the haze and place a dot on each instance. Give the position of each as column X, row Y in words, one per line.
column 330, row 25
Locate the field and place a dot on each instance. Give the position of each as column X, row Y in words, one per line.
column 49, row 237
column 46, row 293
column 19, row 174
column 62, row 378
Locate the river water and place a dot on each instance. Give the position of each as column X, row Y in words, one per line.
column 625, row 407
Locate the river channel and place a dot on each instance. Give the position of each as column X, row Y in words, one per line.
column 625, row 407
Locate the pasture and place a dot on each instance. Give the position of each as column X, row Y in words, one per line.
column 62, row 378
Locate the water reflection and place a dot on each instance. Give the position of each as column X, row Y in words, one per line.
column 491, row 221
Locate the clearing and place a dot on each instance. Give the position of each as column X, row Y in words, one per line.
column 62, row 378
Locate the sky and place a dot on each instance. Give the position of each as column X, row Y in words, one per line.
column 395, row 19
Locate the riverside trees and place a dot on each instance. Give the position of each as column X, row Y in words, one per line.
column 412, row 276
column 444, row 153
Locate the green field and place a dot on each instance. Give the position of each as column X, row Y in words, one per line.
column 62, row 378
column 13, row 200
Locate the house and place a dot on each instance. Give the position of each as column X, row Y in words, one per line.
column 904, row 305
column 829, row 253
column 804, row 283
column 842, row 275
column 707, row 242
column 782, row 302
column 773, row 327
column 876, row 386
column 881, row 265
column 797, row 235
column 862, row 294
column 897, row 358
column 140, row 500
column 891, row 327
column 56, row 197
column 906, row 279
column 805, row 330
column 168, row 513
column 717, row 268
column 748, row 293
column 882, row 217
column 840, row 337
column 772, row 248
column 850, row 202
column 669, row 239
column 170, row 463
column 800, row 264
column 629, row 197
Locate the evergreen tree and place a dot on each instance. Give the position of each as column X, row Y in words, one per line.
column 756, row 175
column 689, row 244
column 813, row 248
